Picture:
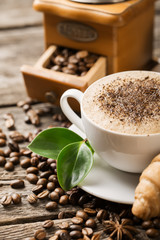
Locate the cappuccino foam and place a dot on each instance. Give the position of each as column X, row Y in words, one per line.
column 126, row 103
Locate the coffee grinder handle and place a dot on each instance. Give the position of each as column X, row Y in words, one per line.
column 68, row 111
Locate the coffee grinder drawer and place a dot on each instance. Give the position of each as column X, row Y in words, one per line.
column 43, row 78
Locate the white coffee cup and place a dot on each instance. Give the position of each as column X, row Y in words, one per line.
column 127, row 152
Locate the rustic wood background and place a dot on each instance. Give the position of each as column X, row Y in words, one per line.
column 21, row 42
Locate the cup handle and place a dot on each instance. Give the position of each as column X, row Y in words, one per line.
column 68, row 111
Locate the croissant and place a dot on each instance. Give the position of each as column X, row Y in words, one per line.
column 147, row 193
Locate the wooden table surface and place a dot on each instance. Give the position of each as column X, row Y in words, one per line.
column 21, row 42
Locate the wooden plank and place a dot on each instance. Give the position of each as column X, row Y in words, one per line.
column 18, row 13
column 17, row 48
column 26, row 230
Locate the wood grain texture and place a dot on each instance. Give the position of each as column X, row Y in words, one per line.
column 17, row 14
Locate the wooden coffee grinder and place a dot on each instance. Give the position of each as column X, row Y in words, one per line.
column 120, row 33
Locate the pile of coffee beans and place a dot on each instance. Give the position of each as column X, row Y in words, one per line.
column 32, row 116
column 71, row 61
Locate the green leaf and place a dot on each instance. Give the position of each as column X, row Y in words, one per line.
column 89, row 145
column 50, row 142
column 73, row 164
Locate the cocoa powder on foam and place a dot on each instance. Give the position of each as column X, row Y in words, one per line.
column 127, row 104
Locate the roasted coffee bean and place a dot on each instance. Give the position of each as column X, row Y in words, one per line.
column 68, row 71
column 27, row 119
column 2, row 161
column 16, row 198
column 55, row 237
column 147, row 224
column 17, row 137
column 72, row 66
column 50, row 160
column 17, row 184
column 34, row 155
column 76, row 234
column 87, row 231
column 3, row 136
column 42, row 181
column 26, row 107
column 9, row 166
column 82, row 214
column 64, row 225
column 51, row 206
column 6, row 200
column 33, row 116
column 59, row 60
column 81, row 54
column 53, row 178
column 58, row 232
column 32, row 170
column 77, row 220
column 64, row 236
column 74, row 197
column 63, row 200
column 50, row 186
column 152, row 232
column 102, row 215
column 37, row 189
column 54, row 196
column 45, row 174
column 27, row 153
column 156, row 222
column 14, row 160
column 32, row 178
column 91, row 223
column 56, row 68
column 48, row 224
column 90, row 204
column 53, row 166
column 40, row 234
column 21, row 103
column 32, row 198
column 75, row 227
column 51, row 97
column 59, row 190
column 34, row 161
column 2, row 142
column 43, row 194
column 7, row 152
column 83, row 199
column 90, row 211
column 9, row 120
column 25, row 163
column 73, row 59
column 43, row 166
column 2, row 153
column 61, row 215
column 82, row 69
column 14, row 154
column 13, row 146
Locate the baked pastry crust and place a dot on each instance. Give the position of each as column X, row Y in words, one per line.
column 147, row 193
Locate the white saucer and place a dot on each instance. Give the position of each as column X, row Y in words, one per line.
column 108, row 183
